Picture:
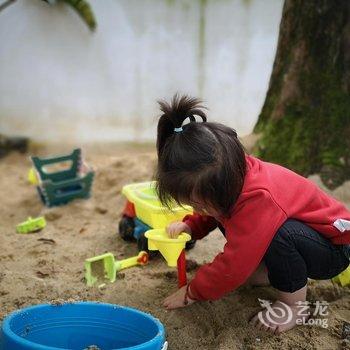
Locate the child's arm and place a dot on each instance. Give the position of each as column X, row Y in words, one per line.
column 200, row 225
column 248, row 234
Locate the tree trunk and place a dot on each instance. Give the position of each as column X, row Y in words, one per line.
column 305, row 121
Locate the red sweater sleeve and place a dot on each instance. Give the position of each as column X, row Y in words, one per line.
column 200, row 225
column 248, row 232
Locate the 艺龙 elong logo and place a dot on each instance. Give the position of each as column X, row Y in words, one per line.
column 307, row 313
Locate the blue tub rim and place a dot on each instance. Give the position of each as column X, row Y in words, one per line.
column 5, row 326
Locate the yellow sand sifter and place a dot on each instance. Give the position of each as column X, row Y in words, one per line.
column 172, row 250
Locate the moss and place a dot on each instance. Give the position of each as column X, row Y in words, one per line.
column 284, row 61
column 313, row 134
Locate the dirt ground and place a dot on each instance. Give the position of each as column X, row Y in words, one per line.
column 49, row 265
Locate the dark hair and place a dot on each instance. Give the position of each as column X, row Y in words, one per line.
column 205, row 160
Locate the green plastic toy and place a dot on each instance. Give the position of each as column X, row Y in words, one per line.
column 31, row 225
column 62, row 179
column 102, row 267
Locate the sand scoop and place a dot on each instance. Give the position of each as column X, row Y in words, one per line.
column 105, row 267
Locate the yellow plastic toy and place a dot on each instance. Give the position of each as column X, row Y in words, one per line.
column 105, row 266
column 149, row 209
column 170, row 248
column 31, row 225
column 343, row 278
column 32, row 177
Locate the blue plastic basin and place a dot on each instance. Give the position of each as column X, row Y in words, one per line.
column 80, row 325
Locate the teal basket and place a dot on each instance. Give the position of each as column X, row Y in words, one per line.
column 60, row 185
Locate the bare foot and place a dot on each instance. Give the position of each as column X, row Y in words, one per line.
column 277, row 318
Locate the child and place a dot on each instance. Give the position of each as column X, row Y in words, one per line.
column 280, row 227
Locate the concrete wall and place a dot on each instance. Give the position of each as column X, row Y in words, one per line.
column 58, row 81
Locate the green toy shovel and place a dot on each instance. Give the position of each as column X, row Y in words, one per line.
column 105, row 267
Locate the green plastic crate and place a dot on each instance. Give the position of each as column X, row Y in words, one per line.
column 61, row 186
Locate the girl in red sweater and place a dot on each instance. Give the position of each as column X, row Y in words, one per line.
column 280, row 227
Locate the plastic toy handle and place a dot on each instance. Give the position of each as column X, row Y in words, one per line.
column 142, row 258
column 145, row 195
column 135, row 260
column 181, row 269
column 136, row 190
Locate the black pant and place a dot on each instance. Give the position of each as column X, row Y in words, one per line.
column 297, row 252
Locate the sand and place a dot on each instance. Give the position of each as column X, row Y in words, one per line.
column 49, row 265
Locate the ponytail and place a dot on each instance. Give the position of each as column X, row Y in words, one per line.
column 174, row 114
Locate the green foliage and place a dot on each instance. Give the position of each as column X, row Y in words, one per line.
column 83, row 9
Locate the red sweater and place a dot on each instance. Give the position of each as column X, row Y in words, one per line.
column 270, row 195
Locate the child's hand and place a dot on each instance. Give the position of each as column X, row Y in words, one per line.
column 175, row 228
column 177, row 299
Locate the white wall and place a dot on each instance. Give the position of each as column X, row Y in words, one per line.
column 58, row 81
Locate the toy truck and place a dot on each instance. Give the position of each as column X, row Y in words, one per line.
column 143, row 211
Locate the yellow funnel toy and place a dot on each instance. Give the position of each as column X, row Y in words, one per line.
column 170, row 248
